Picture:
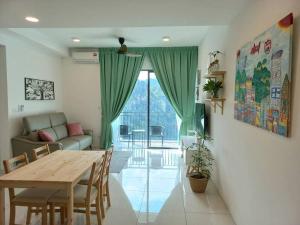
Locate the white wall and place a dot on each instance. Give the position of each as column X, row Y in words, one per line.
column 4, row 136
column 258, row 171
column 26, row 59
column 82, row 101
column 81, row 91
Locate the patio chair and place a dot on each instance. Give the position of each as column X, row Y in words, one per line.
column 156, row 131
column 124, row 133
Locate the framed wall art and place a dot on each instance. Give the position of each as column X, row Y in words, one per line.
column 263, row 79
column 39, row 89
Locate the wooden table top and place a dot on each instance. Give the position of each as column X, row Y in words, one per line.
column 62, row 166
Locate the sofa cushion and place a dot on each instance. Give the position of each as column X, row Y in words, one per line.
column 84, row 140
column 69, row 143
column 51, row 132
column 61, row 131
column 36, row 122
column 57, row 119
column 74, row 129
column 45, row 136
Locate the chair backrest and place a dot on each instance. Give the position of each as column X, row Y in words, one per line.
column 156, row 130
column 108, row 157
column 13, row 164
column 96, row 173
column 124, row 130
column 40, row 152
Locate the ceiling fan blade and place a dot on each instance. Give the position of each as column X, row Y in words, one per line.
column 133, row 54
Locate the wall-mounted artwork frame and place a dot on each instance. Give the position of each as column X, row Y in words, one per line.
column 36, row 89
column 263, row 79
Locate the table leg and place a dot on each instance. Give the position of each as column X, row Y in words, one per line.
column 70, row 205
column 2, row 206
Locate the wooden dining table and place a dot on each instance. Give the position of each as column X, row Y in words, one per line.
column 60, row 170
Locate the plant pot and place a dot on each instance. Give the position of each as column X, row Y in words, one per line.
column 198, row 185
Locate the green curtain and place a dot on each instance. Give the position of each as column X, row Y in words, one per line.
column 175, row 69
column 118, row 75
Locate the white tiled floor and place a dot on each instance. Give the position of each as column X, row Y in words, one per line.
column 154, row 190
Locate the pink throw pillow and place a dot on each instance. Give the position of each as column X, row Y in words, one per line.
column 74, row 129
column 45, row 136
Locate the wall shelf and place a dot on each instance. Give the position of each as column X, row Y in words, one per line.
column 214, row 102
column 216, row 74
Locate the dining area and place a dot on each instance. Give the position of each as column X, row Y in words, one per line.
column 56, row 185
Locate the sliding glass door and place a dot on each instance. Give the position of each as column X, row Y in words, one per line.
column 148, row 120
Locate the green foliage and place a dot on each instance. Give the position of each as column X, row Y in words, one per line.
column 202, row 158
column 212, row 87
column 261, row 81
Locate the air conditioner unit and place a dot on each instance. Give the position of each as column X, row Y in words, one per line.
column 85, row 56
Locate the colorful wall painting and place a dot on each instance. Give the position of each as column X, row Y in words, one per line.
column 263, row 79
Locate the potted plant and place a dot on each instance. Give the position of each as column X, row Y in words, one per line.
column 212, row 87
column 201, row 164
column 214, row 61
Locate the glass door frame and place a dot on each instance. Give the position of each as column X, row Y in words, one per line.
column 148, row 114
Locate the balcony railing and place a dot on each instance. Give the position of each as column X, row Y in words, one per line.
column 138, row 121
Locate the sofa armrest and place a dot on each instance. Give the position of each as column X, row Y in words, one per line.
column 88, row 132
column 21, row 144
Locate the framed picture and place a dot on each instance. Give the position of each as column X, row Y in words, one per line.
column 39, row 89
column 263, row 79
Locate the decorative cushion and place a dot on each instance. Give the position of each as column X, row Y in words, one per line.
column 74, row 129
column 61, row 131
column 45, row 136
column 52, row 132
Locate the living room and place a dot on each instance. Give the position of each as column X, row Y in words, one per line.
column 254, row 175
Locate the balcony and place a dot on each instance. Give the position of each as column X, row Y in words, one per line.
column 131, row 130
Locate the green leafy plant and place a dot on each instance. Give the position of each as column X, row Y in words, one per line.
column 202, row 159
column 212, row 87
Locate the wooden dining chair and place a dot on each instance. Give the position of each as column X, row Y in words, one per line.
column 103, row 182
column 30, row 197
column 84, row 195
column 104, row 191
column 40, row 152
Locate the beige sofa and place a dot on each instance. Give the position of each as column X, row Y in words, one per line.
column 54, row 123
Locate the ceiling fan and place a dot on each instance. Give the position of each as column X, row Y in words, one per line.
column 123, row 50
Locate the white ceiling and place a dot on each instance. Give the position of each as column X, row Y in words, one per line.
column 98, row 23
column 134, row 36
column 59, row 39
column 118, row 13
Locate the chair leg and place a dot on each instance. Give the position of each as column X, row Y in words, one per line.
column 52, row 214
column 28, row 218
column 37, row 209
column 101, row 202
column 12, row 214
column 44, row 215
column 98, row 210
column 62, row 215
column 88, row 215
column 107, row 194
